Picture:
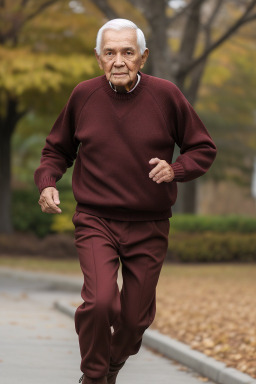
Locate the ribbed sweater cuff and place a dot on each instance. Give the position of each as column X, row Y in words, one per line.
column 46, row 182
column 178, row 170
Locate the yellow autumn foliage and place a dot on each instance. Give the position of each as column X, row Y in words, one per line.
column 62, row 223
column 22, row 70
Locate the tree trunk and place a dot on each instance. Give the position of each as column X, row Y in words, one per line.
column 7, row 127
column 187, row 197
column 5, row 184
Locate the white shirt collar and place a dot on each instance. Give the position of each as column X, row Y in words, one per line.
column 138, row 80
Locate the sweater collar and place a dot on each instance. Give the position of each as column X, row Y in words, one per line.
column 124, row 96
column 137, row 82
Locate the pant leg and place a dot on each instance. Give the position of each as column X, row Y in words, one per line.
column 96, row 248
column 142, row 254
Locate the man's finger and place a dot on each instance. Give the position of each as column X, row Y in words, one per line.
column 161, row 173
column 53, row 208
column 155, row 170
column 168, row 176
column 154, row 160
column 45, row 206
column 163, row 178
column 56, row 196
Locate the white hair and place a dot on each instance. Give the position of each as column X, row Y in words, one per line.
column 118, row 24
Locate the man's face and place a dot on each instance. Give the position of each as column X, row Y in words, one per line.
column 120, row 57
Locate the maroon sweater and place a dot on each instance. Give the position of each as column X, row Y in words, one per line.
column 117, row 134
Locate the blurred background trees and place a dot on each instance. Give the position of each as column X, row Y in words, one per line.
column 43, row 54
column 206, row 47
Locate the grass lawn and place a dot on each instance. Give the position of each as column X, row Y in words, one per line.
column 212, row 308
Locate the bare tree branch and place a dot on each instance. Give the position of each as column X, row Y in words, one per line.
column 210, row 21
column 39, row 10
column 146, row 7
column 190, row 34
column 105, row 8
column 12, row 33
column 215, row 12
column 245, row 18
column 184, row 10
column 197, row 73
column 250, row 18
column 192, row 91
column 24, row 3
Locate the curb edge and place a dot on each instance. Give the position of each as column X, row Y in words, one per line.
column 182, row 353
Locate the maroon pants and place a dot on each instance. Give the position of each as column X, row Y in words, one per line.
column 142, row 247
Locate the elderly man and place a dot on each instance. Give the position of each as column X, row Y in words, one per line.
column 125, row 124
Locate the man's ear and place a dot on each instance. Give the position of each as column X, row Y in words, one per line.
column 144, row 57
column 98, row 59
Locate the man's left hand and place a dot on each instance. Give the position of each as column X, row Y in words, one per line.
column 162, row 172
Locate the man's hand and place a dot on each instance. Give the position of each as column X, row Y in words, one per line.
column 162, row 172
column 49, row 199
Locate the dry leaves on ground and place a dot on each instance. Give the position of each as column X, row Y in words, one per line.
column 212, row 309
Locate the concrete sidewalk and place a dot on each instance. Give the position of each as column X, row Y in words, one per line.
column 39, row 344
column 215, row 370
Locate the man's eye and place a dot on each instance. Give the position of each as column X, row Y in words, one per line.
column 109, row 53
column 129, row 53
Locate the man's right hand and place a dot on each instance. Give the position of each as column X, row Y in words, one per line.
column 49, row 199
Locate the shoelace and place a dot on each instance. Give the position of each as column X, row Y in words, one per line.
column 81, row 378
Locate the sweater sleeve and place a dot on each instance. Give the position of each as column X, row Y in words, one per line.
column 197, row 149
column 60, row 149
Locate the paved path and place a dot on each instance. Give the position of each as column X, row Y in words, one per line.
column 39, row 345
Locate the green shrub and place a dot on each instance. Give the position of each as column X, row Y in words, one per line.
column 27, row 214
column 212, row 247
column 196, row 223
column 192, row 238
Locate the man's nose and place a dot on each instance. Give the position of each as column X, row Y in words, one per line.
column 119, row 61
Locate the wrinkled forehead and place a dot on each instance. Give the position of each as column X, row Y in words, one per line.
column 118, row 39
